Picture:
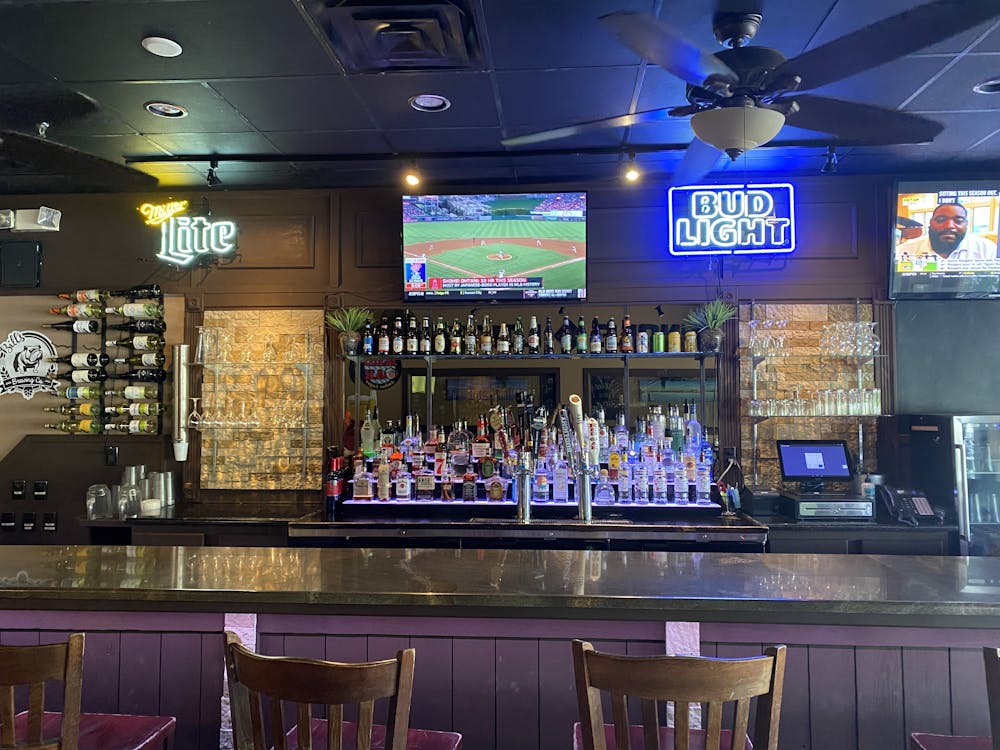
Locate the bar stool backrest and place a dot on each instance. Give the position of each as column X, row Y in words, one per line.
column 33, row 666
column 683, row 680
column 256, row 681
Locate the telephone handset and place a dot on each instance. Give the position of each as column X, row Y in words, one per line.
column 907, row 506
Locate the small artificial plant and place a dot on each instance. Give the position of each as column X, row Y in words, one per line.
column 347, row 319
column 710, row 315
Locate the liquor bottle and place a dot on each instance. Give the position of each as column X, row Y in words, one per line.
column 136, row 310
column 660, row 486
column 582, row 342
column 76, row 326
column 611, row 340
column 137, row 392
column 82, row 359
column 85, row 295
column 398, row 335
column 140, row 291
column 469, row 493
column 334, row 486
column 481, row 443
column 403, row 485
column 669, row 464
column 133, row 426
column 455, row 340
column 367, row 344
column 503, row 340
column 141, row 325
column 628, row 340
column 84, row 408
column 142, row 342
column 640, row 493
column 74, row 426
column 540, row 485
column 383, row 486
column 486, row 337
column 425, row 336
column 458, row 447
column 471, row 338
column 692, row 429
column 620, row 435
column 425, row 484
column 363, row 489
column 604, row 492
column 145, row 359
column 703, row 479
column 560, row 479
column 79, row 310
column 626, row 475
column 517, row 346
column 681, row 488
column 596, row 341
column 368, row 435
column 440, row 345
column 383, row 336
column 566, row 336
column 676, row 426
column 93, row 375
column 88, row 392
column 548, row 338
column 136, row 409
column 142, row 375
column 534, row 341
column 603, row 436
column 412, row 336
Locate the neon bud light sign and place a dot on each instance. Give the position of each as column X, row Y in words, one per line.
column 731, row 219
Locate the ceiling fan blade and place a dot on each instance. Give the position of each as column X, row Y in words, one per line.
column 856, row 121
column 883, row 41
column 621, row 121
column 93, row 171
column 659, row 43
column 698, row 161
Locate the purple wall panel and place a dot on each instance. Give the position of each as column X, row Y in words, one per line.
column 517, row 695
column 832, row 697
column 926, row 690
column 557, row 694
column 210, row 708
column 880, row 698
column 432, row 687
column 270, row 644
column 347, row 648
column 305, row 646
column 139, row 673
column 101, row 660
column 474, row 688
column 970, row 712
column 385, row 647
column 54, row 698
column 180, row 676
column 796, row 728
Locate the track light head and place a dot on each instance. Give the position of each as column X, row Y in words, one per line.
column 632, row 173
column 211, row 178
column 411, row 176
column 830, row 165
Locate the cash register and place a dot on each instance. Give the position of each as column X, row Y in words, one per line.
column 827, row 487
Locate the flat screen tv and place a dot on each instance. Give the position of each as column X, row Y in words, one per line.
column 495, row 246
column 945, row 240
column 805, row 460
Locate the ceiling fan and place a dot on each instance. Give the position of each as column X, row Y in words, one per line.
column 740, row 98
column 26, row 116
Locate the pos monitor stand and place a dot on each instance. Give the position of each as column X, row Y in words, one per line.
column 812, row 463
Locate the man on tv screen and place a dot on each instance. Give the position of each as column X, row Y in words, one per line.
column 947, row 237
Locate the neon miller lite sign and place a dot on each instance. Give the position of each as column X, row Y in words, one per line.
column 731, row 219
column 184, row 238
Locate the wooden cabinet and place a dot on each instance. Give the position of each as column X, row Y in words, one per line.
column 864, row 539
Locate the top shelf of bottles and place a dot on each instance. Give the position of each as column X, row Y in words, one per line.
column 502, row 357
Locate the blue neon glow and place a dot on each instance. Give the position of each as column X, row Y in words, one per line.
column 744, row 219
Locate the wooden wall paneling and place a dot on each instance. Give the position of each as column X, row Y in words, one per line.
column 139, row 672
column 432, row 684
column 970, row 710
column 832, row 697
column 927, row 690
column 517, row 694
column 880, row 698
column 795, row 732
column 474, row 685
column 332, row 247
column 181, row 684
column 275, row 242
column 557, row 707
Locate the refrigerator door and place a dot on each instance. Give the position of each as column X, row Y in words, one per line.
column 977, row 482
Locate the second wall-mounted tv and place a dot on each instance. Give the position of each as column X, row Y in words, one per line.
column 495, row 246
column 945, row 240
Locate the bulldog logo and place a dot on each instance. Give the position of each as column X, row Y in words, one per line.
column 24, row 368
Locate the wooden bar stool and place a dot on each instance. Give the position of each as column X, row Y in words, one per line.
column 38, row 729
column 683, row 680
column 256, row 681
column 927, row 741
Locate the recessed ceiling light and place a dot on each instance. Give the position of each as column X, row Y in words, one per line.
column 165, row 109
column 429, row 103
column 989, row 86
column 161, row 46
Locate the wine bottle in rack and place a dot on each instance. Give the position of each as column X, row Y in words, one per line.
column 136, row 409
column 144, row 359
column 91, row 375
column 79, row 310
column 76, row 326
column 85, row 295
column 142, row 342
column 133, row 426
column 142, row 375
column 140, row 291
column 82, row 359
column 136, row 310
column 85, row 392
column 140, row 392
column 141, row 325
column 74, row 426
column 84, row 408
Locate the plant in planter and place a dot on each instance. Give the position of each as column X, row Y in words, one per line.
column 349, row 322
column 707, row 320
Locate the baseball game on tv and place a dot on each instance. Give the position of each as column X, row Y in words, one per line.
column 945, row 240
column 502, row 246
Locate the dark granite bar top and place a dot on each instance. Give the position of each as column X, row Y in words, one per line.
column 711, row 587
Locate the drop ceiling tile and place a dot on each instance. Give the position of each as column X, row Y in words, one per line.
column 113, row 148
column 888, row 85
column 953, row 90
column 329, row 142
column 387, row 96
column 212, row 143
column 313, row 103
column 556, row 98
column 444, row 139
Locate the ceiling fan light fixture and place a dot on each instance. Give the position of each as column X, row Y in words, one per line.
column 735, row 130
column 161, row 46
column 165, row 109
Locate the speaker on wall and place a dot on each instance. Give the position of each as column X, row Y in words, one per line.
column 20, row 263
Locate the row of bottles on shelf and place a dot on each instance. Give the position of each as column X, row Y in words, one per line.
column 483, row 338
column 666, row 460
column 89, row 413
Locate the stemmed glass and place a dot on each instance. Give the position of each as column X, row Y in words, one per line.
column 195, row 418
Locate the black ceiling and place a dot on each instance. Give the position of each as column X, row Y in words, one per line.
column 317, row 93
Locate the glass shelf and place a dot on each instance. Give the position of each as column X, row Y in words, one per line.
column 518, row 357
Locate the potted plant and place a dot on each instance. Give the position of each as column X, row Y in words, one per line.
column 349, row 322
column 707, row 320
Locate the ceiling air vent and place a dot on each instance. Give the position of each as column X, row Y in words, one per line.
column 399, row 36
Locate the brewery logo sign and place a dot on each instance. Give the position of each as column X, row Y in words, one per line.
column 24, row 367
column 379, row 372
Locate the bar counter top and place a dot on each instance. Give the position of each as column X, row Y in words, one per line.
column 713, row 587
